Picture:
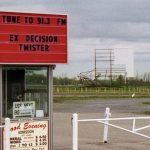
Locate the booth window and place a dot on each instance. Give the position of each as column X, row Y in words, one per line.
column 25, row 92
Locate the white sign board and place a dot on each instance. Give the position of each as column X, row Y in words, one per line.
column 23, row 109
column 29, row 135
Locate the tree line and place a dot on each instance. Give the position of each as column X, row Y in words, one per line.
column 119, row 81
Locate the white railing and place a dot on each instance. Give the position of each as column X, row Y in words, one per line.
column 106, row 122
column 6, row 140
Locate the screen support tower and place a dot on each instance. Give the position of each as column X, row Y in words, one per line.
column 106, row 58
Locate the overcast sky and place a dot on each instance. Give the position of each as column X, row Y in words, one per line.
column 123, row 25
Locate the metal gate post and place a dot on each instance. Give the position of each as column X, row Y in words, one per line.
column 107, row 115
column 7, row 134
column 75, row 131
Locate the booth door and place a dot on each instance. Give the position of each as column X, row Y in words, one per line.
column 14, row 88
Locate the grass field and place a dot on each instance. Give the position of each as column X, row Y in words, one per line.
column 62, row 93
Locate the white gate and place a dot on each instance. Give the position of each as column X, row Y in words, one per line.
column 106, row 123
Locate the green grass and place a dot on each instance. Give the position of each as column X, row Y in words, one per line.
column 61, row 99
column 79, row 98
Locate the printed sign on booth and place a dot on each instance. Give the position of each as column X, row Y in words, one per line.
column 24, row 109
column 29, row 135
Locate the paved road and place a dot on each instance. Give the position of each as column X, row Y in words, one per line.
column 91, row 134
column 97, row 106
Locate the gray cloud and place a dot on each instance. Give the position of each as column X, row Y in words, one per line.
column 122, row 23
column 126, row 20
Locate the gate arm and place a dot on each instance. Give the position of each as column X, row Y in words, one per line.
column 121, row 128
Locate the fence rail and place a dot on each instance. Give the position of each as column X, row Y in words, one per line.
column 142, row 91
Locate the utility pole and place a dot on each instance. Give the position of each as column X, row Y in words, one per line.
column 95, row 65
column 110, row 67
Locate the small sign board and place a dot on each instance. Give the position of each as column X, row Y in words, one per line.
column 23, row 109
column 29, row 135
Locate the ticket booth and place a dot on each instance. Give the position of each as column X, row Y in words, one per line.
column 27, row 85
column 30, row 47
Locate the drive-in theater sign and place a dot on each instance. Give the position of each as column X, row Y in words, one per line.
column 33, row 38
column 30, row 45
